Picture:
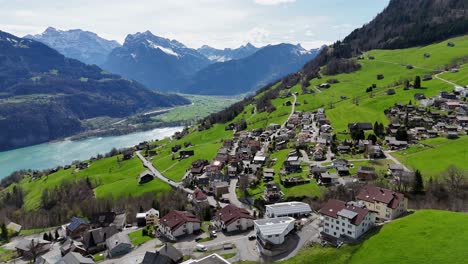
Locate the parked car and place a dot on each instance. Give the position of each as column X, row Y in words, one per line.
column 213, row 234
column 198, row 239
column 201, row 247
column 252, row 237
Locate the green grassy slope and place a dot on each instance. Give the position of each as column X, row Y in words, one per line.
column 444, row 151
column 108, row 178
column 427, row 236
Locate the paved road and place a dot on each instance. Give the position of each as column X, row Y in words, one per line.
column 444, row 80
column 293, row 107
column 388, row 153
column 147, row 164
column 232, row 196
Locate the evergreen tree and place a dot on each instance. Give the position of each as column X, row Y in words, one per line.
column 418, row 182
column 46, row 237
column 417, row 82
column 57, row 235
column 4, row 235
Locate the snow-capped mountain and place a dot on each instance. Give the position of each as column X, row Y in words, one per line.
column 222, row 55
column 247, row 74
column 85, row 46
column 158, row 62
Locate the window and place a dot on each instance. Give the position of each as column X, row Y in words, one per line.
column 270, row 236
column 343, row 224
column 350, row 226
column 276, row 235
column 337, row 228
column 326, row 224
column 350, row 233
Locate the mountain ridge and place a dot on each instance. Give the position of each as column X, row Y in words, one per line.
column 85, row 46
column 44, row 95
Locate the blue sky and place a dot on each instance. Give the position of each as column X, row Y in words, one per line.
column 218, row 23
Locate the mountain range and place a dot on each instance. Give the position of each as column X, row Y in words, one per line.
column 45, row 96
column 168, row 65
column 227, row 54
column 85, row 46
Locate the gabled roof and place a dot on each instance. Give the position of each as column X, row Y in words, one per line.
column 372, row 194
column 175, row 219
column 170, row 251
column 117, row 239
column 199, row 195
column 156, row 258
column 97, row 236
column 210, row 259
column 76, row 222
column 25, row 244
column 75, row 258
column 231, row 213
column 333, row 208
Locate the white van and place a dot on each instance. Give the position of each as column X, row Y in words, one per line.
column 201, row 247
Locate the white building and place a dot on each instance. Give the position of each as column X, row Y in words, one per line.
column 178, row 223
column 232, row 218
column 293, row 209
column 273, row 230
column 348, row 220
column 386, row 203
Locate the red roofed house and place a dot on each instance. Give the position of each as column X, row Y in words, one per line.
column 178, row 223
column 346, row 220
column 198, row 197
column 386, row 203
column 232, row 218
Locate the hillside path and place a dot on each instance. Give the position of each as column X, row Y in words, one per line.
column 444, row 80
column 390, row 157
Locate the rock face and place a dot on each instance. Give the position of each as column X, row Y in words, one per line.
column 44, row 95
column 84, row 46
column 250, row 73
column 222, row 55
column 157, row 62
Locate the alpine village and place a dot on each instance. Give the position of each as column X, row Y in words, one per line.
column 356, row 155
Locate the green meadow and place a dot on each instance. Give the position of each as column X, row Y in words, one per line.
column 432, row 161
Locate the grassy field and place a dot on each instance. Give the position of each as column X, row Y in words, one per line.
column 460, row 78
column 137, row 238
column 108, row 178
column 7, row 255
column 201, row 106
column 431, row 161
column 427, row 236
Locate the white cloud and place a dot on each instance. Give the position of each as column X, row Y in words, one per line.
column 273, row 2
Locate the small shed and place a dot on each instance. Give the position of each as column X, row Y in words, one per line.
column 145, row 177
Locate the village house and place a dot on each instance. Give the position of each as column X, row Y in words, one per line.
column 178, row 223
column 168, row 254
column 272, row 193
column 198, row 166
column 328, row 179
column 272, row 233
column 293, row 209
column 145, row 177
column 268, row 174
column 365, row 173
column 341, row 220
column 119, row 244
column 231, row 218
column 25, row 249
column 198, row 197
column 94, row 240
column 387, row 204
column 77, row 227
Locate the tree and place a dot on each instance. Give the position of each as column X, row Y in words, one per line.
column 406, row 84
column 4, row 235
column 57, row 235
column 417, row 82
column 35, row 249
column 401, row 134
column 455, row 179
column 141, row 209
column 418, row 186
column 46, row 237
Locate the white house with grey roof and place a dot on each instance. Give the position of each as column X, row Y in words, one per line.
column 273, row 230
column 293, row 209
